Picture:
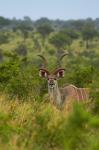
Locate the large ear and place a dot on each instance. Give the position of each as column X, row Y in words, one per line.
column 60, row 73
column 43, row 73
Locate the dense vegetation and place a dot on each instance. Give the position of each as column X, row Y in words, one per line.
column 26, row 120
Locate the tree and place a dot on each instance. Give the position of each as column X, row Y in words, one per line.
column 1, row 55
column 42, row 21
column 4, row 22
column 60, row 40
column 78, row 24
column 21, row 50
column 4, row 38
column 88, row 33
column 71, row 34
column 25, row 28
column 44, row 31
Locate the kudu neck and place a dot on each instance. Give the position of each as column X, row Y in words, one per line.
column 55, row 96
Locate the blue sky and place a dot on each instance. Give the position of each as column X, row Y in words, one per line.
column 52, row 9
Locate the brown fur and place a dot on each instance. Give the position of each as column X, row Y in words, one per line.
column 71, row 93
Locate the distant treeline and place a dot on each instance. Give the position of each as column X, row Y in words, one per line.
column 6, row 23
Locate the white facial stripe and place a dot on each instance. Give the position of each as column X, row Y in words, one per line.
column 58, row 75
column 45, row 74
column 40, row 73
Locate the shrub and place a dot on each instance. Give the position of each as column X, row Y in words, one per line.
column 4, row 38
column 25, row 85
column 82, row 76
column 20, row 80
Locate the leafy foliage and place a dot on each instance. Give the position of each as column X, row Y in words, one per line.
column 44, row 30
column 60, row 40
column 82, row 76
column 88, row 33
column 21, row 50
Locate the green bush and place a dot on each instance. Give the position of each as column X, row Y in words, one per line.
column 8, row 70
column 20, row 80
column 82, row 76
column 26, row 85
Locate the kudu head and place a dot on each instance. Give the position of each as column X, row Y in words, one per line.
column 52, row 77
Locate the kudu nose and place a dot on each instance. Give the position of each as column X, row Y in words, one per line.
column 51, row 81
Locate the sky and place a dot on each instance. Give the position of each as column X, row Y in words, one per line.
column 52, row 9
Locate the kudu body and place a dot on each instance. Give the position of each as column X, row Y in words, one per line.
column 62, row 97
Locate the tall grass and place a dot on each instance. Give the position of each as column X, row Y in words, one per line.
column 33, row 125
